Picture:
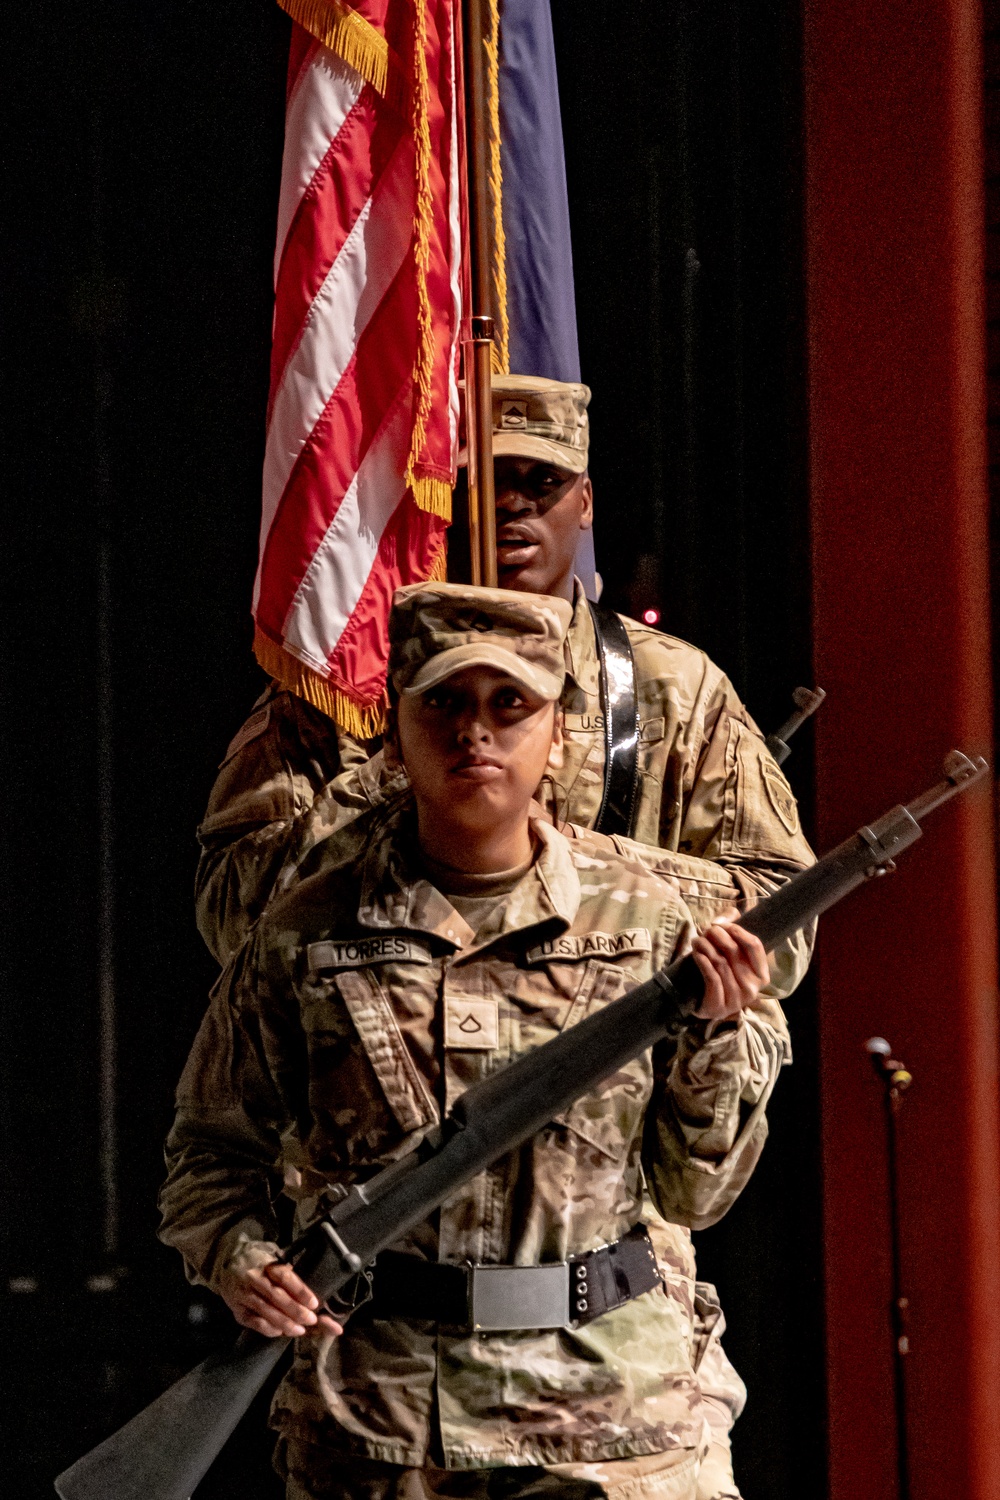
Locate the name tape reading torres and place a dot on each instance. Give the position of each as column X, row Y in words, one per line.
column 352, row 953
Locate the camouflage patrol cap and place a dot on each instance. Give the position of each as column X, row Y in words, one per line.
column 542, row 419
column 437, row 629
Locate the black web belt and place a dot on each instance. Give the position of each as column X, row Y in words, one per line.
column 621, row 722
column 483, row 1297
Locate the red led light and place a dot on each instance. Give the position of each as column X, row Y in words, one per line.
column 651, row 616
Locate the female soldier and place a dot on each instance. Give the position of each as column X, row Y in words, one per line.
column 453, row 933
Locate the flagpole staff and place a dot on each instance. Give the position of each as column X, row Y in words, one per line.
column 478, row 349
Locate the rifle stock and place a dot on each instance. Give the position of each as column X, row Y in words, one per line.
column 164, row 1451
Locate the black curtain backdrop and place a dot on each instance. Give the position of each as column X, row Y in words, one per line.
column 141, row 154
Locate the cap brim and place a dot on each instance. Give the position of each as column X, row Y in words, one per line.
column 535, row 680
column 527, row 445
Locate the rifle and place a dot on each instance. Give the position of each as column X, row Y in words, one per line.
column 806, row 701
column 164, row 1451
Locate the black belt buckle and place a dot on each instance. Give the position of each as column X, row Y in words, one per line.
column 510, row 1297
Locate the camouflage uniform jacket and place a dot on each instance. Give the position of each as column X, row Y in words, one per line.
column 270, row 774
column 708, row 787
column 335, row 1038
column 711, row 795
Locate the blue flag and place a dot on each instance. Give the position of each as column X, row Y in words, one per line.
column 541, row 305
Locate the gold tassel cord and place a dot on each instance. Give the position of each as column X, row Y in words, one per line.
column 430, row 494
column 491, row 46
column 363, row 720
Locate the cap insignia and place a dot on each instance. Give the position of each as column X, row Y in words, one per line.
column 513, row 415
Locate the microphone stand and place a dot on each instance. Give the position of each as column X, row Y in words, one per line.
column 895, row 1080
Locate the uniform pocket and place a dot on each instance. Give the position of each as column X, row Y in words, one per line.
column 549, row 996
column 372, row 1014
column 609, row 1119
column 760, row 815
column 365, row 1095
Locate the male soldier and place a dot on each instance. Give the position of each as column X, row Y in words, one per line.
column 705, row 784
column 707, row 793
column 459, row 933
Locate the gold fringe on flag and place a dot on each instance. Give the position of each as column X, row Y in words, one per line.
column 491, row 46
column 432, row 495
column 429, row 493
column 363, row 720
column 347, row 34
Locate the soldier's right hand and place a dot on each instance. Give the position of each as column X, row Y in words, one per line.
column 273, row 1300
column 734, row 967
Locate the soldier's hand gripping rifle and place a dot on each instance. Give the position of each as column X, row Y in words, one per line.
column 164, row 1452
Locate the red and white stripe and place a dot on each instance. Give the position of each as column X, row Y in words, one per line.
column 339, row 530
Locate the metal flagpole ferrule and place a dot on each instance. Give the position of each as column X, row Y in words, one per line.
column 479, row 440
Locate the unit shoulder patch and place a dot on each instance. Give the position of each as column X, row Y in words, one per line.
column 592, row 945
column 251, row 730
column 780, row 796
column 356, row 952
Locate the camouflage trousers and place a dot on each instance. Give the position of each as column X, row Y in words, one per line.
column 311, row 1475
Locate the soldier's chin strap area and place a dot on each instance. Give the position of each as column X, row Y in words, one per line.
column 619, row 707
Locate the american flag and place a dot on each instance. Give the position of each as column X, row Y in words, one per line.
column 363, row 411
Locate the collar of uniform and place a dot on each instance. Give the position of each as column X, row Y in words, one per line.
column 551, row 888
column 378, row 781
column 394, row 895
column 581, row 644
column 548, row 895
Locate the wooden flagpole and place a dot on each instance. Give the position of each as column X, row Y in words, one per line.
column 478, row 350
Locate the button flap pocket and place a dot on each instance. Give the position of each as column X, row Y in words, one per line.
column 371, row 1012
column 610, row 1118
column 611, row 1115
